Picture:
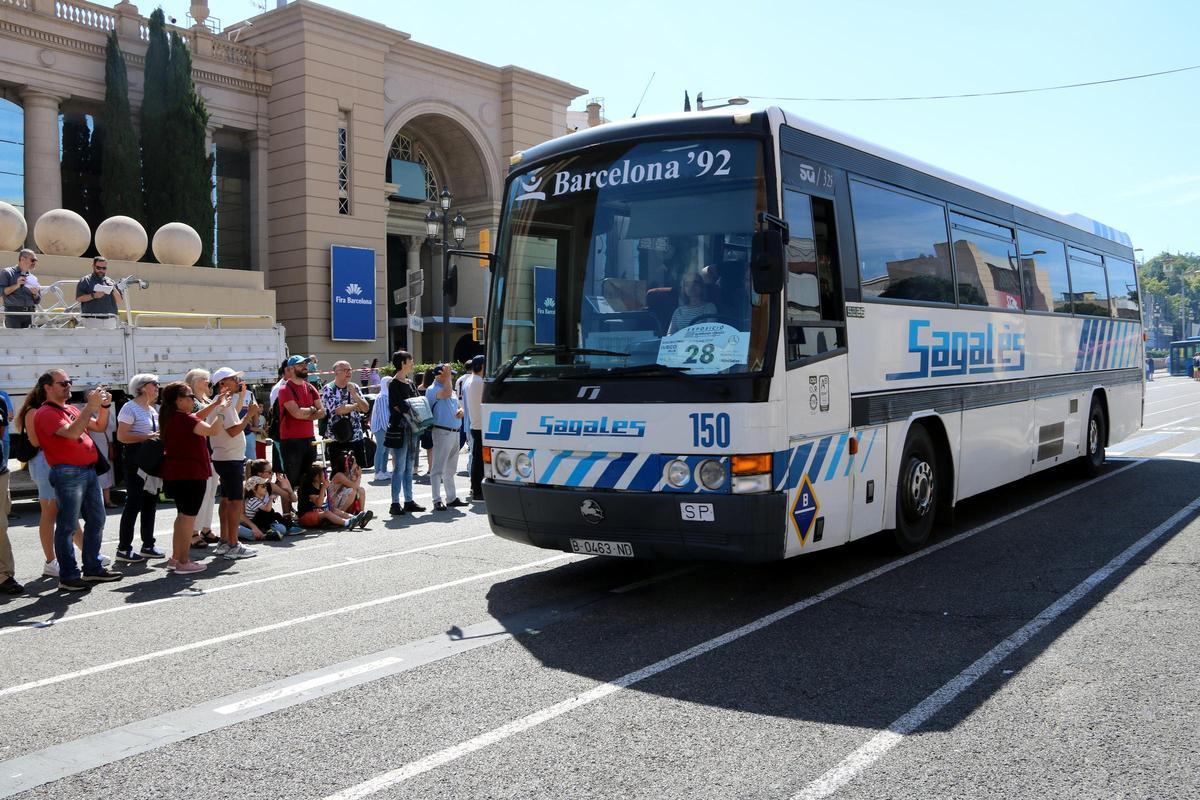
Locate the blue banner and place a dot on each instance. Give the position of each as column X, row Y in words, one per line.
column 544, row 291
column 351, row 294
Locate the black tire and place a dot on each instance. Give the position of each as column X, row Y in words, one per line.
column 918, row 491
column 1092, row 460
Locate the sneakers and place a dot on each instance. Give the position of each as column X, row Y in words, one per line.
column 361, row 520
column 191, row 566
column 410, row 506
column 292, row 531
column 396, row 510
column 457, row 502
column 237, row 551
column 103, row 576
column 11, row 587
column 104, row 560
column 150, row 551
column 222, row 548
column 73, row 585
column 439, row 506
column 130, row 557
column 50, row 569
column 273, row 536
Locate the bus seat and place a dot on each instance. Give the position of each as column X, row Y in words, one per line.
column 662, row 302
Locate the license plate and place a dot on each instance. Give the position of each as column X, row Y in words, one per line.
column 697, row 512
column 591, row 547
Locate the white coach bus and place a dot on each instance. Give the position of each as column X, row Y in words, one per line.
column 742, row 336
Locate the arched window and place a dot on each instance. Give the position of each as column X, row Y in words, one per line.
column 405, row 149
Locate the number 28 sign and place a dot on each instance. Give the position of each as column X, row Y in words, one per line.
column 708, row 347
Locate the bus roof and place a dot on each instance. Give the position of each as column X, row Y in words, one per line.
column 657, row 122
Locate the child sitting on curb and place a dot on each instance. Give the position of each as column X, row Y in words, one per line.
column 315, row 509
column 259, row 521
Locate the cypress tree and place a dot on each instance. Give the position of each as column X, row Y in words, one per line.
column 158, row 149
column 121, row 172
column 76, row 143
column 188, row 128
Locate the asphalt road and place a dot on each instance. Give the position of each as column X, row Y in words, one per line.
column 1047, row 644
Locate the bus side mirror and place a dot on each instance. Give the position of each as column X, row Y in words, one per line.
column 767, row 261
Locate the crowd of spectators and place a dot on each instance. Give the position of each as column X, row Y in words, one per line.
column 198, row 443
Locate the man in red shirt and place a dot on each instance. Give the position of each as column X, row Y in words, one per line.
column 301, row 406
column 72, row 456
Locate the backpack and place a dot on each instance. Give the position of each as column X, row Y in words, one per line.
column 273, row 417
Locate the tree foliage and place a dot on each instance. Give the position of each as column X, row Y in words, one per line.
column 1170, row 280
column 121, row 173
column 158, row 149
column 187, row 129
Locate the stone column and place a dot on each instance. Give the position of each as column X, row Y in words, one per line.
column 43, row 173
column 259, row 246
column 414, row 262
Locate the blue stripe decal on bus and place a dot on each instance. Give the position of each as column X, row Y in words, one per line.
column 796, row 471
column 1093, row 338
column 613, row 472
column 837, row 457
column 582, row 468
column 867, row 457
column 647, row 477
column 548, row 475
column 1127, row 328
column 819, row 458
column 1109, row 330
column 1083, row 333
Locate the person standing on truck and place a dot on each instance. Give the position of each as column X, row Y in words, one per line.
column 98, row 296
column 21, row 290
column 300, row 406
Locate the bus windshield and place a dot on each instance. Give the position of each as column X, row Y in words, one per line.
column 632, row 259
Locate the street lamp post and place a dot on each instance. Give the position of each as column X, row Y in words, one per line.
column 439, row 227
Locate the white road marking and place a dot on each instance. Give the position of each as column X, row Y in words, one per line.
column 28, row 625
column 1189, row 449
column 1172, row 408
column 287, row 623
column 1129, row 445
column 484, row 740
column 878, row 746
column 304, row 686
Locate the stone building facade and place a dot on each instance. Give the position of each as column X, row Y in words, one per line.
column 309, row 106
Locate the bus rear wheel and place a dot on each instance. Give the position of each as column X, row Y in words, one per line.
column 917, row 491
column 1092, row 459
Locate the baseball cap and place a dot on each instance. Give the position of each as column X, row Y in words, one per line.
column 294, row 360
column 223, row 373
column 476, row 362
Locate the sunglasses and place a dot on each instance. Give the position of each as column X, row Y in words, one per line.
column 62, row 383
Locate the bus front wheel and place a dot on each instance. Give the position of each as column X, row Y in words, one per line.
column 916, row 491
column 1097, row 434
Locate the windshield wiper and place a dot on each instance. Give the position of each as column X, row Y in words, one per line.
column 549, row 350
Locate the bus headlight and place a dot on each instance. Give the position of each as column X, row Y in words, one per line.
column 710, row 474
column 678, row 474
column 751, row 473
column 524, row 465
column 503, row 463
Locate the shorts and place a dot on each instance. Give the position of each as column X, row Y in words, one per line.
column 188, row 495
column 39, row 470
column 232, row 475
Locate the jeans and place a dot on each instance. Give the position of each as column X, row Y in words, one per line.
column 78, row 492
column 445, row 464
column 6, row 556
column 298, row 455
column 137, row 501
column 402, row 471
column 381, row 454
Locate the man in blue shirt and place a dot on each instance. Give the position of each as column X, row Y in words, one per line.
column 447, row 421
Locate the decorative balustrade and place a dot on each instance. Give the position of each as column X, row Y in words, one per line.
column 15, row 3
column 85, row 14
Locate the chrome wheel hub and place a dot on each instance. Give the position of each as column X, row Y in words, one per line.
column 1093, row 437
column 920, row 487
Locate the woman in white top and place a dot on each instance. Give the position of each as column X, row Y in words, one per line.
column 137, row 423
column 380, row 416
column 692, row 304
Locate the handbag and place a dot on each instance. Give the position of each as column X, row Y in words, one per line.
column 149, row 457
column 22, row 448
column 341, row 429
column 102, row 466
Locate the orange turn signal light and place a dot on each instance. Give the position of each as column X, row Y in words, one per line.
column 853, row 448
column 487, row 455
column 751, row 465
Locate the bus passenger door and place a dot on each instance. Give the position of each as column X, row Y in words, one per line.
column 819, row 476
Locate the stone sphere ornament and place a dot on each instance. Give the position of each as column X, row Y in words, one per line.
column 12, row 227
column 176, row 243
column 62, row 232
column 121, row 239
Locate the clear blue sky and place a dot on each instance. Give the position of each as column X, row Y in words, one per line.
column 1125, row 154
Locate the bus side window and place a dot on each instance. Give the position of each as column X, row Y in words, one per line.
column 815, row 316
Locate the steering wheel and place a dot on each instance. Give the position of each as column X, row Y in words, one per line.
column 722, row 318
